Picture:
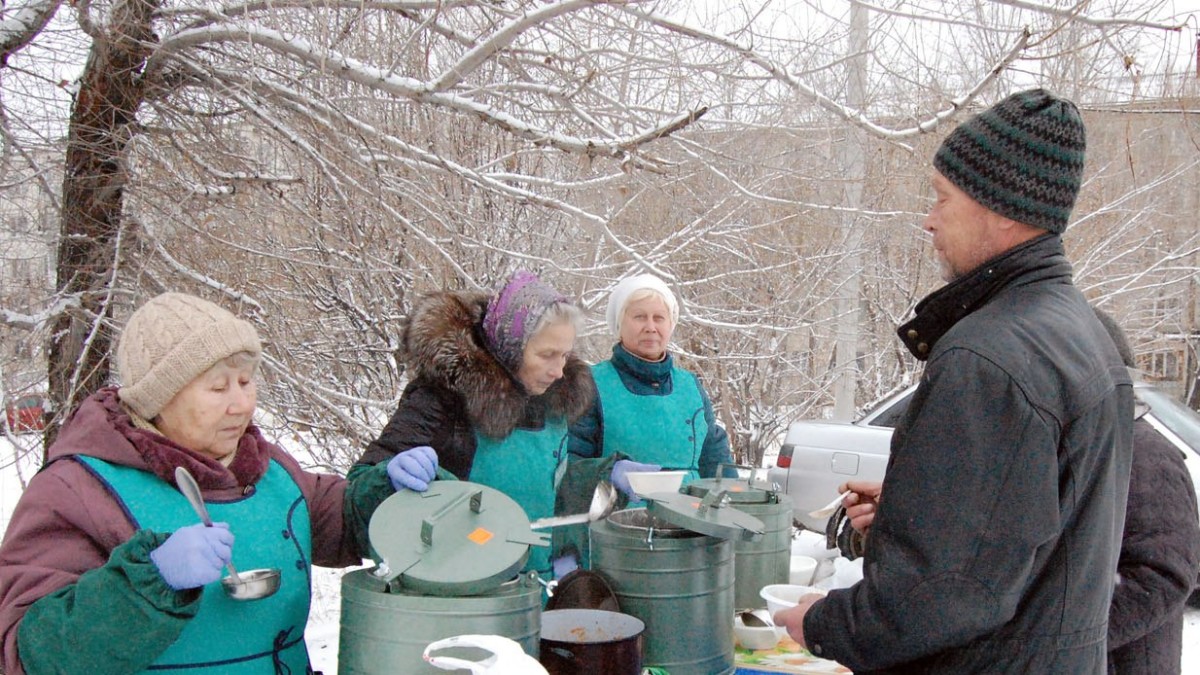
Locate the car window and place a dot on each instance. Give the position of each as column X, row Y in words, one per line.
column 1177, row 417
column 891, row 416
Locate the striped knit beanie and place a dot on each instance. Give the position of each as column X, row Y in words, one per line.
column 171, row 340
column 513, row 313
column 1022, row 158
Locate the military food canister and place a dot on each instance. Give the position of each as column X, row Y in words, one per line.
column 671, row 565
column 448, row 564
column 762, row 561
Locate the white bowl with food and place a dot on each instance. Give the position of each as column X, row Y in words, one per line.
column 783, row 596
column 651, row 482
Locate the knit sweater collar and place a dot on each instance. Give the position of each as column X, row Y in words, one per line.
column 1039, row 258
column 649, row 373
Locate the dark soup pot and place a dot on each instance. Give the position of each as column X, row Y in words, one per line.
column 591, row 641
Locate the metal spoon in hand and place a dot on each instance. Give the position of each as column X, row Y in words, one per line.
column 189, row 488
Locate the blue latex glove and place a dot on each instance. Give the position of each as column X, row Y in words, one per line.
column 564, row 565
column 413, row 469
column 624, row 466
column 194, row 556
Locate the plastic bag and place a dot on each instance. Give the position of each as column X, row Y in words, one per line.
column 507, row 656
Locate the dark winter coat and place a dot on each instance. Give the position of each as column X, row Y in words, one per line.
column 78, row 592
column 999, row 523
column 458, row 388
column 1160, row 554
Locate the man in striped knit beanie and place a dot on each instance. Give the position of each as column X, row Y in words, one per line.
column 995, row 547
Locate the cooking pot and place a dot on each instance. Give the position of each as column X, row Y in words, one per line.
column 448, row 566
column 591, row 641
column 756, row 562
column 671, row 565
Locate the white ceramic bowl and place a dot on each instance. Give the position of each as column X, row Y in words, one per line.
column 648, row 482
column 756, row 637
column 783, row 596
column 801, row 571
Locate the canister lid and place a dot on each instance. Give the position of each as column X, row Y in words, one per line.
column 457, row 538
column 740, row 490
column 709, row 515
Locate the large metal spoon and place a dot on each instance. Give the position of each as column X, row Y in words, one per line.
column 189, row 488
column 604, row 498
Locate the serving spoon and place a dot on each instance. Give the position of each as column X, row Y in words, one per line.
column 604, row 498
column 189, row 488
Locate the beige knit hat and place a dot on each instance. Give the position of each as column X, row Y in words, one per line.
column 171, row 340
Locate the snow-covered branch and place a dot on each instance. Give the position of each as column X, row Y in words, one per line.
column 376, row 78
column 22, row 22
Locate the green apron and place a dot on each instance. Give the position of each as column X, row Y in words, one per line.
column 272, row 529
column 668, row 430
column 527, row 465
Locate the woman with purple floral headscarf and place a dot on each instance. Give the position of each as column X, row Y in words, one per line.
column 495, row 385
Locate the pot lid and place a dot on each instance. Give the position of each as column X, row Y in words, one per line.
column 740, row 490
column 709, row 515
column 583, row 589
column 457, row 538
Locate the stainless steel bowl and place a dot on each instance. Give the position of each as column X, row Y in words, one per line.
column 255, row 584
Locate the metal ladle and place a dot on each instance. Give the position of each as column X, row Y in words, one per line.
column 604, row 498
column 254, row 584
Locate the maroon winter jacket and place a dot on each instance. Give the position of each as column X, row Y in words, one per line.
column 67, row 523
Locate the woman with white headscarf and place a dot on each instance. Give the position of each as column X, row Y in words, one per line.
column 649, row 413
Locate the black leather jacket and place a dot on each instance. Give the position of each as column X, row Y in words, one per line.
column 996, row 541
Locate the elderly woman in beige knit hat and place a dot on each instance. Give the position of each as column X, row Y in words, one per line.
column 105, row 552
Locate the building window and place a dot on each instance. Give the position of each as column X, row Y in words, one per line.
column 1161, row 365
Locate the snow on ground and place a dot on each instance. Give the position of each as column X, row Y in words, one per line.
column 322, row 631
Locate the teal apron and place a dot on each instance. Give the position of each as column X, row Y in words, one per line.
column 527, row 465
column 272, row 529
column 668, row 430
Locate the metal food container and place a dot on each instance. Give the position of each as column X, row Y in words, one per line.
column 449, row 562
column 762, row 561
column 671, row 564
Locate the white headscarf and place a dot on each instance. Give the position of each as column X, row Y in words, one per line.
column 626, row 288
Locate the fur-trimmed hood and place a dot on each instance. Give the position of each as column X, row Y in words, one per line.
column 442, row 342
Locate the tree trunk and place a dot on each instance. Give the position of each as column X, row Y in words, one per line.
column 103, row 119
column 853, row 158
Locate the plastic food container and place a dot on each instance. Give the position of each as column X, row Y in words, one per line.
column 783, row 596
column 756, row 637
column 801, row 570
column 650, row 482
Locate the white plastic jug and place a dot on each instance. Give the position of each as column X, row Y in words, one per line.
column 507, row 656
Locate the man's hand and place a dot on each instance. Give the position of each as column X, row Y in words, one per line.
column 862, row 503
column 792, row 618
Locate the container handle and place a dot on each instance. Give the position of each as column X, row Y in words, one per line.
column 428, row 524
column 731, row 465
column 715, row 499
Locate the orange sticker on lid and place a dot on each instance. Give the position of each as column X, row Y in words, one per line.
column 481, row 536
